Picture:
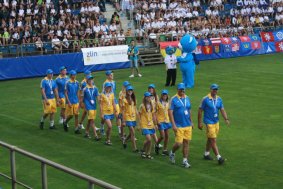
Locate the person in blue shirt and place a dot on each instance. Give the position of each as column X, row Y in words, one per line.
column 72, row 101
column 49, row 92
column 133, row 52
column 181, row 118
column 83, row 85
column 210, row 106
column 89, row 96
column 61, row 82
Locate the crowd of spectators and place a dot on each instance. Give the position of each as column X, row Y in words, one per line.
column 74, row 24
column 63, row 23
column 205, row 18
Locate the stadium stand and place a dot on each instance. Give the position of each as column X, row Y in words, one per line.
column 56, row 26
column 206, row 18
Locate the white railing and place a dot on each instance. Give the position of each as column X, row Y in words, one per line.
column 44, row 163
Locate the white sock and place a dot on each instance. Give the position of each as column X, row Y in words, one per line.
column 42, row 119
column 102, row 126
column 185, row 159
column 218, row 156
column 51, row 123
column 172, row 153
column 119, row 129
column 206, row 153
column 64, row 120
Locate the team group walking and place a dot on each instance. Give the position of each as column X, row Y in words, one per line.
column 155, row 117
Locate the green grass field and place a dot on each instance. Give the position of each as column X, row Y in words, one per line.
column 251, row 88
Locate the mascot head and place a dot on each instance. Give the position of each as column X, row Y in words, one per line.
column 188, row 43
column 170, row 50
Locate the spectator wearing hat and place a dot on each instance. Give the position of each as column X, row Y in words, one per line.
column 147, row 117
column 130, row 114
column 89, row 96
column 107, row 110
column 210, row 106
column 181, row 119
column 133, row 53
column 61, row 81
column 82, row 105
column 122, row 95
column 49, row 93
column 72, row 101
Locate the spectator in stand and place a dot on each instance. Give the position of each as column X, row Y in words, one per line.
column 121, row 37
column 65, row 43
column 39, row 45
column 56, row 44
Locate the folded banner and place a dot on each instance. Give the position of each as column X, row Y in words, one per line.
column 105, row 55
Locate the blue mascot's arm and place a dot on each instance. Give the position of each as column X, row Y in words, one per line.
column 188, row 58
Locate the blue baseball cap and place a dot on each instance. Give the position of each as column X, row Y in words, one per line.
column 87, row 72
column 62, row 68
column 181, row 86
column 89, row 77
column 126, row 83
column 214, row 87
column 108, row 72
column 108, row 84
column 73, row 72
column 129, row 88
column 164, row 92
column 151, row 86
column 49, row 71
column 147, row 94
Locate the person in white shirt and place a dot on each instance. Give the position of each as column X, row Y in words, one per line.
column 104, row 28
column 96, row 8
column 65, row 43
column 56, row 43
column 195, row 12
column 170, row 60
column 21, row 11
column 215, row 12
column 96, row 28
column 113, row 27
column 121, row 37
column 208, row 12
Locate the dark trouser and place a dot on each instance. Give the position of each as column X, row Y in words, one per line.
column 171, row 75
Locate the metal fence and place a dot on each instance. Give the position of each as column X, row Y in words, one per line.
column 44, row 163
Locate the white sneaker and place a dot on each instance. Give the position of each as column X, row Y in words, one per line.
column 186, row 164
column 131, row 76
column 140, row 75
column 160, row 146
column 81, row 126
column 172, row 157
column 61, row 120
column 97, row 129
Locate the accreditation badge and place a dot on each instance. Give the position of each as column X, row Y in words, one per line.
column 51, row 92
column 215, row 115
column 186, row 112
column 92, row 101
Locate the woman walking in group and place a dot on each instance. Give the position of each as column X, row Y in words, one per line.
column 147, row 117
column 163, row 122
column 107, row 109
column 130, row 116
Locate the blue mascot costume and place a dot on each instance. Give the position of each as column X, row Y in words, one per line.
column 187, row 44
